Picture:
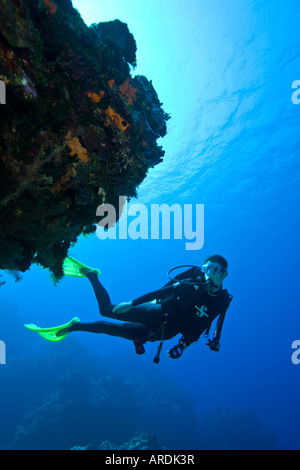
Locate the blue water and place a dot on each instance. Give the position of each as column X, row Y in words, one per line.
column 224, row 71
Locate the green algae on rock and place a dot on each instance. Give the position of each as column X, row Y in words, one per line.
column 76, row 130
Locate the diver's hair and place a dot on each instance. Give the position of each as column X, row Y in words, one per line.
column 217, row 259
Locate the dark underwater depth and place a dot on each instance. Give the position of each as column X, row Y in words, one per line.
column 227, row 73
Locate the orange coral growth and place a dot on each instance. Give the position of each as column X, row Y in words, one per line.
column 128, row 92
column 61, row 184
column 117, row 119
column 77, row 148
column 112, row 83
column 18, row 212
column 51, row 6
column 95, row 97
column 9, row 54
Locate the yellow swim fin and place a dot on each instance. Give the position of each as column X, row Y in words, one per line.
column 51, row 333
column 72, row 267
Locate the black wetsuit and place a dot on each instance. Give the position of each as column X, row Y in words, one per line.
column 180, row 308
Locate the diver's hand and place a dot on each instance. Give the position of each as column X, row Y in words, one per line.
column 123, row 307
column 214, row 345
column 177, row 351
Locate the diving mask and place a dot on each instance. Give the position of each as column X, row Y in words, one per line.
column 213, row 268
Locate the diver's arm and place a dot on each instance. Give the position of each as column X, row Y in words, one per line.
column 219, row 326
column 157, row 294
column 122, row 307
column 214, row 344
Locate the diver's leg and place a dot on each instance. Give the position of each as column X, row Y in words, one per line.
column 103, row 299
column 125, row 330
column 148, row 313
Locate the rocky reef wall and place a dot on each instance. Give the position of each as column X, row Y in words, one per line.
column 76, row 129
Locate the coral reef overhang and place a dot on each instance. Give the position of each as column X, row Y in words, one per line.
column 76, row 130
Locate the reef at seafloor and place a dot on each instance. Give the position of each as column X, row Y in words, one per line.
column 76, row 129
column 145, row 441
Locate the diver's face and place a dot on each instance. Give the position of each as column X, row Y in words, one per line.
column 214, row 276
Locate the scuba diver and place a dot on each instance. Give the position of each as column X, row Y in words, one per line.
column 186, row 305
